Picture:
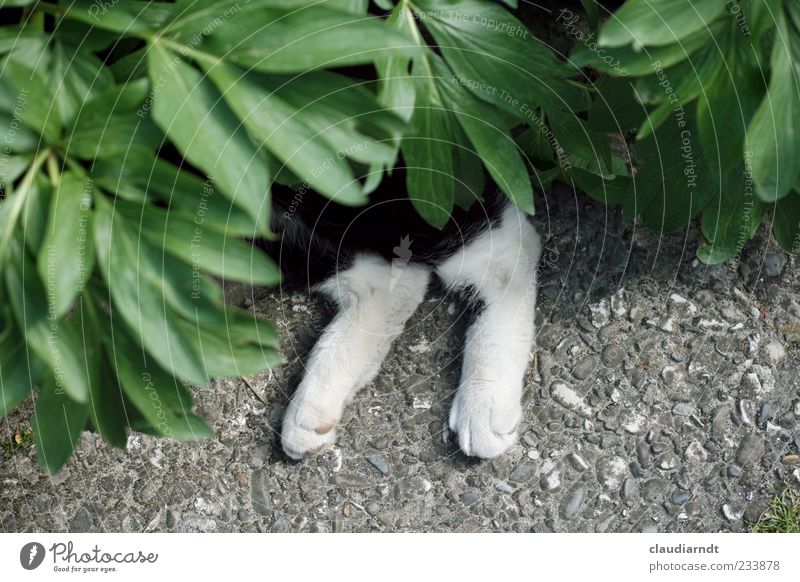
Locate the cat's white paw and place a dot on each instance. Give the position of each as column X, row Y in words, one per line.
column 308, row 429
column 486, row 420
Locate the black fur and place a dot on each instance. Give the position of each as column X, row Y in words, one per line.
column 320, row 237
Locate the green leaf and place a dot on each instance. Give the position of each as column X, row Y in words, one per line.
column 615, row 108
column 57, row 425
column 134, row 17
column 760, row 15
column 609, row 191
column 18, row 371
column 344, row 114
column 493, row 143
column 134, row 272
column 470, row 179
column 672, row 185
column 496, row 57
column 161, row 398
column 725, row 109
column 786, row 222
column 142, row 175
column 106, row 405
column 428, row 155
column 624, row 61
column 16, row 138
column 773, row 135
column 13, row 169
column 110, row 125
column 730, row 221
column 658, row 22
column 683, row 82
column 278, row 41
column 573, row 135
column 34, row 100
column 66, row 258
column 226, row 354
column 52, row 340
column 89, row 38
column 207, row 249
column 396, row 87
column 36, row 213
column 11, row 36
column 77, row 76
column 592, row 8
column 279, row 126
column 191, row 111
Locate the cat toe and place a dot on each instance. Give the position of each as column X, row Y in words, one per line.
column 304, row 434
column 486, row 427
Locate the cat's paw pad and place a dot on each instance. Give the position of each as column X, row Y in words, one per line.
column 486, row 422
column 307, row 430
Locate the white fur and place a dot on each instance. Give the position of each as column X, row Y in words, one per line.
column 375, row 299
column 501, row 266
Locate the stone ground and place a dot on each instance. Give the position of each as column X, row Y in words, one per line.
column 663, row 396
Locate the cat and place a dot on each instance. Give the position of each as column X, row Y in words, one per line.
column 375, row 263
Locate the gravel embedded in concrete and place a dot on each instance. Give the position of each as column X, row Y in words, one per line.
column 663, row 397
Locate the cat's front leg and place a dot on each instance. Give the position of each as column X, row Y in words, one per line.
column 375, row 300
column 500, row 267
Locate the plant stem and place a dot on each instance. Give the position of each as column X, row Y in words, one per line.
column 52, row 169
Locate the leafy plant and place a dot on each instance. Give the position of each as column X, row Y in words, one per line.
column 715, row 91
column 141, row 142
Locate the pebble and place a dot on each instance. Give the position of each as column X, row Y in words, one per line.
column 659, row 447
column 766, row 413
column 82, row 522
column 750, row 450
column 720, row 419
column 469, row 497
column 654, row 489
column 372, row 508
column 612, row 355
column 668, row 461
column 504, row 488
column 573, row 501
column 704, row 297
column 611, row 471
column 733, row 472
column 680, row 497
column 773, row 264
column 523, row 472
column 634, row 424
column 729, row 513
column 571, row 400
column 683, row 409
column 262, row 504
column 577, row 462
column 550, row 475
column 791, row 460
column 695, row 452
column 584, row 368
column 378, row 462
column 628, row 487
column 280, row 525
column 600, row 313
column 773, row 352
